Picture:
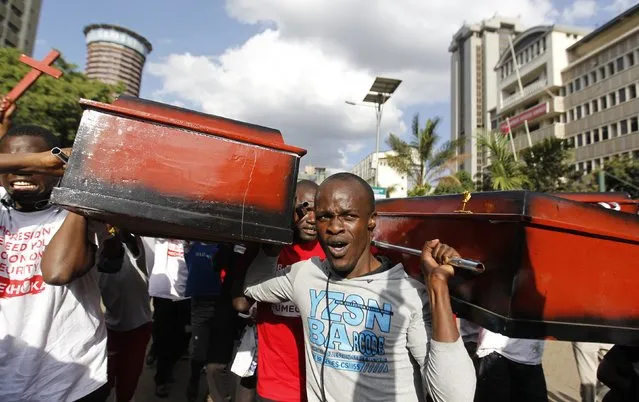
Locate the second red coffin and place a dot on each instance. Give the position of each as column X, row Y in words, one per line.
column 163, row 171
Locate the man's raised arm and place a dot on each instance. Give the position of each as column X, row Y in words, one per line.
column 264, row 282
column 433, row 338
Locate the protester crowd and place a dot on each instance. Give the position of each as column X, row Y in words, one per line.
column 83, row 306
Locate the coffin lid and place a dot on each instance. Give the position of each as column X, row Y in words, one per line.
column 206, row 123
column 523, row 206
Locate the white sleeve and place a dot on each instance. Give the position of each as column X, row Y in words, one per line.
column 264, row 284
column 446, row 369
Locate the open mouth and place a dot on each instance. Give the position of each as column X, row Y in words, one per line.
column 23, row 185
column 338, row 248
column 309, row 230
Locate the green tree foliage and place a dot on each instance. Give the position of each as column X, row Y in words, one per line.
column 548, row 165
column 419, row 159
column 621, row 175
column 49, row 102
column 463, row 182
column 504, row 172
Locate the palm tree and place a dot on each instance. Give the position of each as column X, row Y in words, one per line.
column 419, row 160
column 505, row 172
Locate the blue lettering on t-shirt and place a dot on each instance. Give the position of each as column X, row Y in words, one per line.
column 349, row 348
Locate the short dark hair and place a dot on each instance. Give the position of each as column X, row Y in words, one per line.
column 350, row 177
column 309, row 184
column 32, row 131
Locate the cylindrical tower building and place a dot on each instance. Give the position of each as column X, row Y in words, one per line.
column 116, row 54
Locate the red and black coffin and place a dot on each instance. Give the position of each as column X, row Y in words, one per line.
column 163, row 171
column 555, row 268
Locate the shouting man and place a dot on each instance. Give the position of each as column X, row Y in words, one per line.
column 371, row 332
column 280, row 335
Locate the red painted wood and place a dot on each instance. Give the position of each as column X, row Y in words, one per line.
column 37, row 69
column 548, row 260
column 214, row 123
column 181, row 163
column 221, row 129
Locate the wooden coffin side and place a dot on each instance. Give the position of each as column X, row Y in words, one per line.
column 229, row 129
column 179, row 177
column 544, row 275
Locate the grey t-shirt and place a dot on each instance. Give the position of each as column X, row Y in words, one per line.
column 125, row 293
column 378, row 330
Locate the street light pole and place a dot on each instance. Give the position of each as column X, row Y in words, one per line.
column 380, row 92
column 378, row 115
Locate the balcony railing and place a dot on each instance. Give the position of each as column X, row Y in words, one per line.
column 528, row 91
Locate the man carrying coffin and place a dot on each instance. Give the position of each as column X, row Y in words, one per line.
column 371, row 332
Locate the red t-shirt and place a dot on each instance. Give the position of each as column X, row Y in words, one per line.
column 280, row 338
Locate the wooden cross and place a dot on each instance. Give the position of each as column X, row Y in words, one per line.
column 37, row 68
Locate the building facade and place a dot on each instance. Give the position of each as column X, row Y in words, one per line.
column 475, row 50
column 19, row 24
column 314, row 173
column 389, row 178
column 530, row 87
column 116, row 54
column 601, row 92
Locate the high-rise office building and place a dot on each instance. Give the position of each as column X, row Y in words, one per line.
column 116, row 54
column 530, row 103
column 602, row 82
column 19, row 23
column 475, row 51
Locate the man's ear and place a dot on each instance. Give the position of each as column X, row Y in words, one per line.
column 372, row 221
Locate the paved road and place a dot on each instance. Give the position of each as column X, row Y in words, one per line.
column 559, row 366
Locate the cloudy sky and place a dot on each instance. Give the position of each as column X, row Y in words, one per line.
column 292, row 64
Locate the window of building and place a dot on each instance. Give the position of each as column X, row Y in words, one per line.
column 622, row 95
column 604, row 135
column 595, row 106
column 543, row 44
column 578, row 112
column 623, row 127
column 585, row 80
column 536, row 47
column 13, row 28
column 611, row 68
column 632, row 91
column 16, row 11
column 630, row 58
column 580, row 140
column 593, row 77
column 571, row 114
column 578, row 84
column 9, row 43
column 604, row 102
column 587, row 138
column 570, row 88
column 604, row 132
column 635, row 154
column 634, row 125
column 613, row 99
column 602, row 73
column 588, row 166
column 595, row 136
column 620, row 64
column 586, row 109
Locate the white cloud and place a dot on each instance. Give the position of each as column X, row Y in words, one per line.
column 580, row 10
column 296, row 74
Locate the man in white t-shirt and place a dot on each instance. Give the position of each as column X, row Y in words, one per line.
column 509, row 369
column 172, row 310
column 52, row 338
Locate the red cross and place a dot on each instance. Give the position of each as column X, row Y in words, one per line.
column 37, row 68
